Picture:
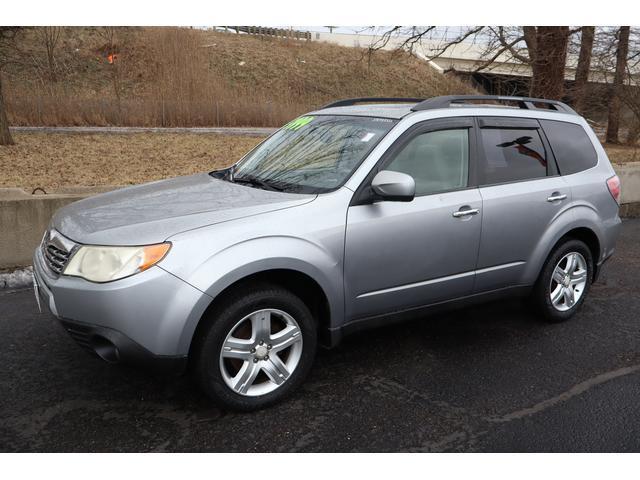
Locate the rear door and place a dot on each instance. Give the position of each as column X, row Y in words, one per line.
column 400, row 255
column 522, row 193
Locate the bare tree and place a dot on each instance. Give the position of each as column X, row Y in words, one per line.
column 630, row 93
column 7, row 52
column 587, row 36
column 548, row 58
column 543, row 49
column 616, row 91
column 49, row 37
column 5, row 133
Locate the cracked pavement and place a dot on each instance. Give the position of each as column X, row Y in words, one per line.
column 488, row 378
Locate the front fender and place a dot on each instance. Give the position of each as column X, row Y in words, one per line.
column 238, row 261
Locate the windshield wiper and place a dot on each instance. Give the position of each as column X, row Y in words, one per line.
column 256, row 182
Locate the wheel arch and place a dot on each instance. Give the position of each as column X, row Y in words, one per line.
column 300, row 283
column 586, row 234
column 300, row 264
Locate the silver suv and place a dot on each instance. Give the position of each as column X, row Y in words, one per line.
column 358, row 214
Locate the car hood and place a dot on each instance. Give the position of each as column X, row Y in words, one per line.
column 152, row 212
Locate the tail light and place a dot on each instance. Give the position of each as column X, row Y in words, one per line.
column 614, row 187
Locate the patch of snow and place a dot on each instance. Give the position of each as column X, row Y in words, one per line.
column 17, row 279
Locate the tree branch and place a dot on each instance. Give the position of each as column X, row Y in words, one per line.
column 509, row 46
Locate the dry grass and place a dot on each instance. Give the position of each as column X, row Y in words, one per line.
column 57, row 160
column 185, row 77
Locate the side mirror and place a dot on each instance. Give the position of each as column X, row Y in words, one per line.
column 394, row 186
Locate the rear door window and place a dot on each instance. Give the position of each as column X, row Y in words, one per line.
column 511, row 155
column 571, row 146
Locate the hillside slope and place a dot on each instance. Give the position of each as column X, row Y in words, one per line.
column 188, row 77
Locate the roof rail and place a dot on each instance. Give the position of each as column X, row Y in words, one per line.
column 523, row 102
column 353, row 101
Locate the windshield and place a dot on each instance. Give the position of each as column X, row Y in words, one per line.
column 311, row 154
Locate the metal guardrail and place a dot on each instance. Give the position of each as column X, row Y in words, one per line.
column 272, row 32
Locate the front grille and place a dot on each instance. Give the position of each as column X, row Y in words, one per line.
column 56, row 258
column 56, row 251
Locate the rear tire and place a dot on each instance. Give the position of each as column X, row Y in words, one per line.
column 564, row 281
column 256, row 347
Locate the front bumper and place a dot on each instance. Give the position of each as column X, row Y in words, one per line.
column 115, row 347
column 146, row 319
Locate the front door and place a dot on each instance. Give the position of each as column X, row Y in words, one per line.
column 400, row 255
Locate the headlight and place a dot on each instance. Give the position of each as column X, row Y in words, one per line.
column 104, row 264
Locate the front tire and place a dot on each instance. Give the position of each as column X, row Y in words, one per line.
column 564, row 281
column 256, row 347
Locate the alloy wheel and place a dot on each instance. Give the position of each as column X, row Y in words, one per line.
column 568, row 281
column 261, row 352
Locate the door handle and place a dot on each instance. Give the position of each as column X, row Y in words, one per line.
column 466, row 212
column 555, row 196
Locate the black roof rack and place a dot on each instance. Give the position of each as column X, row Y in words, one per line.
column 353, row 101
column 523, row 102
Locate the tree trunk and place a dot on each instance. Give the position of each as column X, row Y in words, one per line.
column 548, row 62
column 615, row 103
column 52, row 35
column 529, row 34
column 5, row 133
column 582, row 70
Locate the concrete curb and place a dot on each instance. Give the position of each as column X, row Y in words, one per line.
column 21, row 277
column 629, row 174
column 24, row 219
column 241, row 131
column 630, row 210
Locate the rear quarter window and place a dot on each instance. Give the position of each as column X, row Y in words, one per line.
column 571, row 146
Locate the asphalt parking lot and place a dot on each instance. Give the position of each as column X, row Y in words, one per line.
column 490, row 378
